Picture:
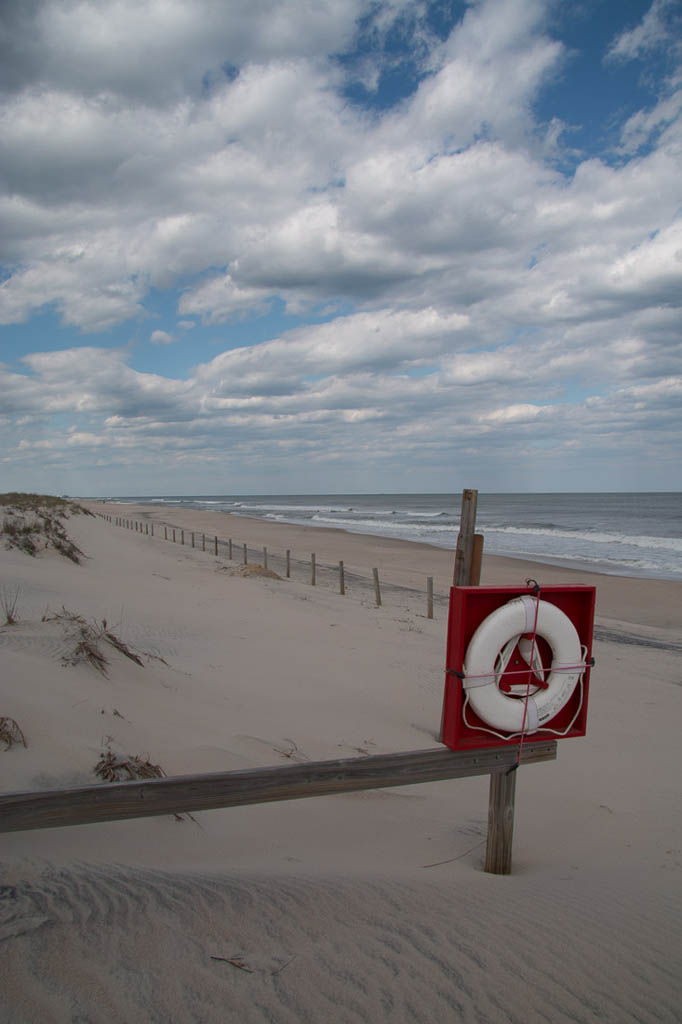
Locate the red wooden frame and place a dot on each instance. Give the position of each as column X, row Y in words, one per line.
column 469, row 606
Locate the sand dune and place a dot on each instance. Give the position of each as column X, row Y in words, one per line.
column 361, row 907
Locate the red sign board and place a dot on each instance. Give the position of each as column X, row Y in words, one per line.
column 518, row 664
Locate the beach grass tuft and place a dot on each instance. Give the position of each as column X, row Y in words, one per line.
column 9, row 599
column 10, row 733
column 33, row 522
column 113, row 767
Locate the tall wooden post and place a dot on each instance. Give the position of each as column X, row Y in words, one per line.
column 464, row 554
column 467, row 573
column 313, row 569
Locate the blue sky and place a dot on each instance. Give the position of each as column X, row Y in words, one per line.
column 312, row 247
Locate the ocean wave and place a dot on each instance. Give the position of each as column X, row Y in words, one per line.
column 664, row 543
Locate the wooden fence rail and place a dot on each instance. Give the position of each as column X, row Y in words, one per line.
column 182, row 793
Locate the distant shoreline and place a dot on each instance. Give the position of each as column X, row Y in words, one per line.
column 175, row 504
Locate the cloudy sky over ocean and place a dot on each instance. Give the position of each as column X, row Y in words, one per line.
column 309, row 246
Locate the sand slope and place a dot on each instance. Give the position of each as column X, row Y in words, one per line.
column 359, row 907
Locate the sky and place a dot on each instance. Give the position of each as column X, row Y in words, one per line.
column 313, row 246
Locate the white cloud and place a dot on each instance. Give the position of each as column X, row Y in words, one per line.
column 161, row 338
column 470, row 285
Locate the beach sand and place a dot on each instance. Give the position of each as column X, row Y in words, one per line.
column 360, row 907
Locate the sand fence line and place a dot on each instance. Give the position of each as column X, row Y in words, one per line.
column 303, row 569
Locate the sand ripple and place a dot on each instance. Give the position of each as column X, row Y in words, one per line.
column 152, row 946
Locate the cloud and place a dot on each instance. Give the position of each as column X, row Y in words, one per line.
column 474, row 293
column 658, row 29
column 161, row 338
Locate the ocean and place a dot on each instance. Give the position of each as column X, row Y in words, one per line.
column 638, row 534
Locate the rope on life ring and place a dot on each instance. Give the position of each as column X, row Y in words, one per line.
column 489, row 651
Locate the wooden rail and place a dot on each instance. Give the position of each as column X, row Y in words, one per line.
column 115, row 801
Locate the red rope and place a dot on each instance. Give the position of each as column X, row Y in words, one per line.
column 533, row 643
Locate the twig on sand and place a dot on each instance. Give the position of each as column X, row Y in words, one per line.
column 459, row 856
column 235, row 963
column 238, row 962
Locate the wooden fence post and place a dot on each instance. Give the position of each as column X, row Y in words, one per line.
column 313, row 569
column 215, row 544
column 245, row 556
column 429, row 597
column 174, row 535
column 182, row 536
column 265, row 558
column 203, row 542
column 342, row 582
column 165, row 533
column 152, row 529
column 288, row 563
column 192, row 538
column 229, row 549
column 377, row 588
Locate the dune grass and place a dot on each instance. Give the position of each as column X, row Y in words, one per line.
column 34, row 522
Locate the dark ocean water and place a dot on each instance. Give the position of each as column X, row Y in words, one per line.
column 637, row 534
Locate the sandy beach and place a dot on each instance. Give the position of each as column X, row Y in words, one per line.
column 361, row 907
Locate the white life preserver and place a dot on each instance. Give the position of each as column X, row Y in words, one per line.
column 504, row 628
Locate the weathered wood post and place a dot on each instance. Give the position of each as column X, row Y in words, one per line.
column 215, row 545
column 182, row 536
column 165, row 533
column 498, row 853
column 377, row 588
column 342, row 581
column 288, row 563
column 464, row 555
column 152, row 525
column 265, row 558
column 313, row 569
column 229, row 549
column 245, row 555
column 174, row 535
column 498, row 856
column 192, row 538
column 429, row 597
column 203, row 542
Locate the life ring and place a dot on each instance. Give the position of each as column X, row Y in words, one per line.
column 506, row 624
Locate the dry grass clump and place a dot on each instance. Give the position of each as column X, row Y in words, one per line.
column 87, row 637
column 10, row 732
column 34, row 502
column 9, row 599
column 117, row 768
column 253, row 569
column 33, row 522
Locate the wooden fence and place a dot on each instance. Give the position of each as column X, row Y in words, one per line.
column 186, row 793
column 334, row 577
